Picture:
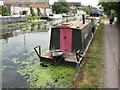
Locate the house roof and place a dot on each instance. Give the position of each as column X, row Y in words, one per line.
column 26, row 0
column 33, row 3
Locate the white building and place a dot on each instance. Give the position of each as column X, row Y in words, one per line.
column 79, row 12
column 1, row 3
column 18, row 6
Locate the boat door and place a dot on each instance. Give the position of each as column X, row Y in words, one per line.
column 66, row 39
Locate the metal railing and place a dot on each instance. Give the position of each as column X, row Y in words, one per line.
column 38, row 52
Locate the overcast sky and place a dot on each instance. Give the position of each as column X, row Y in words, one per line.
column 93, row 3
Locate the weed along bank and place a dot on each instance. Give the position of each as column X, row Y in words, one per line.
column 69, row 42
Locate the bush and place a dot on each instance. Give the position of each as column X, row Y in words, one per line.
column 6, row 14
column 29, row 18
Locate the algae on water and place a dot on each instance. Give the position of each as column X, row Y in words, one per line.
column 39, row 76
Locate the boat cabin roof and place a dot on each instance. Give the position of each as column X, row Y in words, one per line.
column 74, row 24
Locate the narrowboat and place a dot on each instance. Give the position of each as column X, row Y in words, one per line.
column 68, row 42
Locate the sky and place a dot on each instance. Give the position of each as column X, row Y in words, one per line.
column 93, row 3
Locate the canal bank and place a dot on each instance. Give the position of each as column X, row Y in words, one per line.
column 13, row 19
column 18, row 19
column 90, row 73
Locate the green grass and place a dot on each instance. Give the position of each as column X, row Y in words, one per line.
column 36, row 20
column 94, row 63
column 14, row 24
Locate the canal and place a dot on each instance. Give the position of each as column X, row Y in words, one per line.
column 21, row 66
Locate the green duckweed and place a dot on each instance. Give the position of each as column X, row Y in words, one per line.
column 43, row 77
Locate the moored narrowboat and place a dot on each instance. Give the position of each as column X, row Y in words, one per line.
column 68, row 42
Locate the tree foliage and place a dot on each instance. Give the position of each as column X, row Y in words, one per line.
column 88, row 8
column 4, row 10
column 38, row 11
column 24, row 12
column 60, row 7
column 32, row 12
column 109, row 6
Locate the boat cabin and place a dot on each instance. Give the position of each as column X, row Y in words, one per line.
column 72, row 36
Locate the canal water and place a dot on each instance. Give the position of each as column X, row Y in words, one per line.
column 21, row 67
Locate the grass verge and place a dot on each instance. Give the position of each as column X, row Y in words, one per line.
column 90, row 74
column 13, row 24
column 36, row 20
column 22, row 23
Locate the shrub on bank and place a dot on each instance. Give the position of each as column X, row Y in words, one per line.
column 6, row 14
column 32, row 12
column 29, row 18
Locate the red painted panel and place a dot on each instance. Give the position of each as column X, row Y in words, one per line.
column 66, row 39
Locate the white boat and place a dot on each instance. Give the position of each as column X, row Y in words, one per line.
column 55, row 16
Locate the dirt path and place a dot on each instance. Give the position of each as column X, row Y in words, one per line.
column 110, row 73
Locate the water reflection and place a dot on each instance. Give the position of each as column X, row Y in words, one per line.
column 11, row 31
column 20, row 60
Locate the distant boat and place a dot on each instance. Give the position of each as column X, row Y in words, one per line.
column 55, row 16
column 52, row 16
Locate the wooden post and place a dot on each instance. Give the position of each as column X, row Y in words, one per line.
column 83, row 17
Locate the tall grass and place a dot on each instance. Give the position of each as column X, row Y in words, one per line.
column 92, row 68
column 94, row 63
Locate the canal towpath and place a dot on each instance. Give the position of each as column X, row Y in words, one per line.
column 110, row 59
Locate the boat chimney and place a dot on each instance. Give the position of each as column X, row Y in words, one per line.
column 83, row 17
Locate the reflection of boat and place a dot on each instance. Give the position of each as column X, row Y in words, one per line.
column 69, row 42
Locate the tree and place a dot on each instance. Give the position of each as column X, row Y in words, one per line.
column 38, row 11
column 4, row 10
column 88, row 8
column 111, row 7
column 60, row 7
column 32, row 12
